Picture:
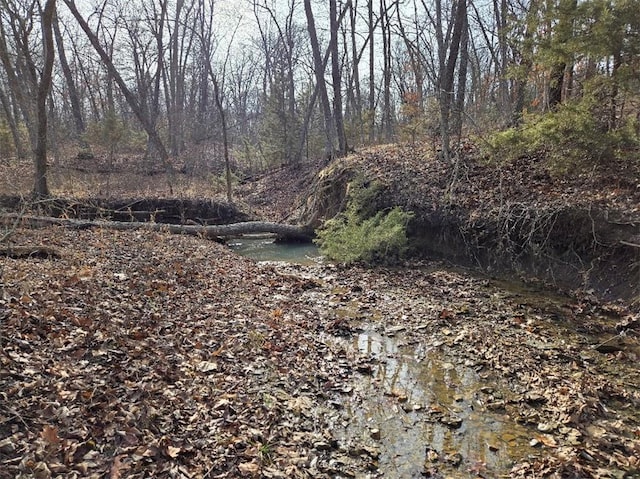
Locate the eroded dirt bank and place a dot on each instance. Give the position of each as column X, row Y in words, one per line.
column 578, row 230
column 152, row 355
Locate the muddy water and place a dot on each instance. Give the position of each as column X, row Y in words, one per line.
column 410, row 407
column 405, row 408
column 416, row 408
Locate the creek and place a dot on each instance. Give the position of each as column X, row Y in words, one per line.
column 422, row 407
column 418, row 406
column 262, row 248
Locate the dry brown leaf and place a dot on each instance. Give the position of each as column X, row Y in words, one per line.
column 249, row 468
column 173, row 452
column 117, row 467
column 50, row 434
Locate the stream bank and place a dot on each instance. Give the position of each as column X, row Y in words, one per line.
column 579, row 233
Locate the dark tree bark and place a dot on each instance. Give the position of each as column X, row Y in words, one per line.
column 563, row 34
column 225, row 140
column 40, row 188
column 447, row 70
column 337, row 79
column 372, row 85
column 463, row 64
column 386, row 71
column 319, row 67
column 354, row 84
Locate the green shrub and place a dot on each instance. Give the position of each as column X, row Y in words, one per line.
column 573, row 137
column 361, row 235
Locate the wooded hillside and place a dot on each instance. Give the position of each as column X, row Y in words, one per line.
column 202, row 87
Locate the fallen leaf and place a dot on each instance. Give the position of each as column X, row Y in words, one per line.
column 248, row 468
column 50, row 434
column 117, row 467
column 173, row 452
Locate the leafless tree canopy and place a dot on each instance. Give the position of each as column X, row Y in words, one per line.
column 261, row 83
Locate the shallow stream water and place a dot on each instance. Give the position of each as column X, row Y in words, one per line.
column 411, row 409
column 422, row 408
column 267, row 249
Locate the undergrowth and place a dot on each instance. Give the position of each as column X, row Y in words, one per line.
column 363, row 233
column 573, row 138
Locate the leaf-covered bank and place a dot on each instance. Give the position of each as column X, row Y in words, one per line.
column 151, row 355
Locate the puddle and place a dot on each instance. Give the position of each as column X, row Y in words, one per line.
column 423, row 413
column 266, row 249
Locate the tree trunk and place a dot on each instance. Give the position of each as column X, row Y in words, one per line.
column 462, row 81
column 447, row 70
column 225, row 141
column 13, row 127
column 17, row 87
column 386, row 71
column 138, row 110
column 287, row 231
column 330, row 130
column 76, row 109
column 563, row 33
column 355, row 78
column 41, row 188
column 336, row 77
column 372, row 85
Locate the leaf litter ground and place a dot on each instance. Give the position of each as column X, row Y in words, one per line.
column 152, row 355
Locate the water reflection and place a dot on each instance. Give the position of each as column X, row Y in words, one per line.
column 266, row 249
column 420, row 402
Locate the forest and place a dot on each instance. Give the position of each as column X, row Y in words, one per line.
column 319, row 239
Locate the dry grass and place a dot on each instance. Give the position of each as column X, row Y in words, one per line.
column 91, row 181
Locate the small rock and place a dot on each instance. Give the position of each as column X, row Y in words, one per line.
column 534, row 398
column 451, row 421
column 546, row 427
column 454, row 459
column 432, row 454
column 496, row 405
column 364, row 368
column 322, row 446
column 375, row 434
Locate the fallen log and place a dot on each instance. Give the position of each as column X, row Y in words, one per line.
column 284, row 231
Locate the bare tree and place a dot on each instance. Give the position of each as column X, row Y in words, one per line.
column 319, row 69
column 336, row 77
column 41, row 188
column 144, row 117
column 12, row 121
column 205, row 35
column 29, row 87
column 72, row 92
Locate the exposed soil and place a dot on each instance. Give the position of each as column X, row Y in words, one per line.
column 160, row 210
column 576, row 232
